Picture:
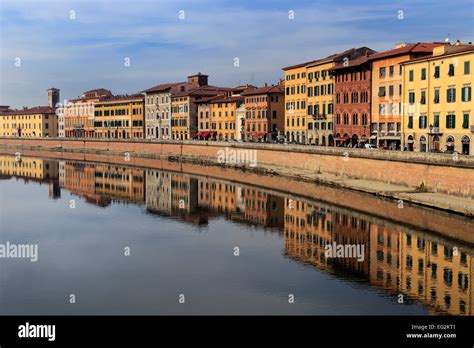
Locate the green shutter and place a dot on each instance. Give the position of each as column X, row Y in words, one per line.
column 465, row 123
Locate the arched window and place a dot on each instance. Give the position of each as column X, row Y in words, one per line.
column 338, row 119
column 355, row 119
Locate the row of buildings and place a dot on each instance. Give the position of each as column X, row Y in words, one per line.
column 427, row 269
column 415, row 97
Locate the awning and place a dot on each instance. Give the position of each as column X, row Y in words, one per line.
column 363, row 140
column 341, row 139
column 198, row 134
column 204, row 134
column 390, row 137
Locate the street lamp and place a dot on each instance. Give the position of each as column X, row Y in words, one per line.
column 429, row 137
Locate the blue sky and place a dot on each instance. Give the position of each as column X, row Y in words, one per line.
column 89, row 51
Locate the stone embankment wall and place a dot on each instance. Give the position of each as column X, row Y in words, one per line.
column 443, row 173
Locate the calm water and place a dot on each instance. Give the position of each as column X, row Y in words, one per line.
column 182, row 231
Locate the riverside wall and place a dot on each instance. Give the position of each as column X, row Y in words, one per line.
column 442, row 173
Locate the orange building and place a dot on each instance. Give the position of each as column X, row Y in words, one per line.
column 79, row 114
column 387, row 90
column 224, row 113
column 264, row 113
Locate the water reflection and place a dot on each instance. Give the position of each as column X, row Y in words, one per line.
column 426, row 269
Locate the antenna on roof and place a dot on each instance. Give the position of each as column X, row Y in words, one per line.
column 447, row 38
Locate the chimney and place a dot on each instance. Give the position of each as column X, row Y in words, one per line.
column 457, row 43
column 266, row 84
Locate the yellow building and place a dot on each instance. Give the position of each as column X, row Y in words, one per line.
column 224, row 113
column 387, row 91
column 295, row 103
column 309, row 98
column 120, row 117
column 320, row 100
column 438, row 107
column 40, row 121
column 184, row 110
column 28, row 167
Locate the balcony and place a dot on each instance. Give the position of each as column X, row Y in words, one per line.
column 434, row 130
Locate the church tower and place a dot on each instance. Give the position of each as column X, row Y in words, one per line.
column 53, row 97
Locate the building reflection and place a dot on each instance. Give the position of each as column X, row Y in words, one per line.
column 424, row 268
column 34, row 169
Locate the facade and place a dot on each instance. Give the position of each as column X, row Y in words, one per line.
column 320, row 102
column 295, row 103
column 224, row 113
column 120, row 117
column 158, row 109
column 309, row 98
column 387, row 92
column 40, row 121
column 79, row 114
column 353, row 97
column 184, row 116
column 264, row 113
column 437, row 93
column 240, row 123
column 204, row 118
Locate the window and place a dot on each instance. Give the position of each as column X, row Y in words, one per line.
column 410, row 121
column 451, row 95
column 451, row 70
column 423, row 97
column 467, row 68
column 411, row 73
column 436, row 96
column 411, row 97
column 436, row 72
column 422, row 122
column 381, row 91
column 382, row 72
column 390, row 91
column 466, row 94
column 391, row 70
column 451, row 121
column 436, row 121
column 465, row 121
column 423, row 74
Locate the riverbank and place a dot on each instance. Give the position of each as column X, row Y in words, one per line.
column 428, row 181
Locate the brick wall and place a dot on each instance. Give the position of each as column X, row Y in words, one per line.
column 437, row 172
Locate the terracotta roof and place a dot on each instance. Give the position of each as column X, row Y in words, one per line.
column 98, row 90
column 106, row 99
column 31, row 111
column 352, row 62
column 329, row 58
column 265, row 90
column 419, row 47
column 208, row 99
column 225, row 99
column 162, row 87
column 450, row 50
column 201, row 91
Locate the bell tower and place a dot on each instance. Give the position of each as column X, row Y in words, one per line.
column 53, row 97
